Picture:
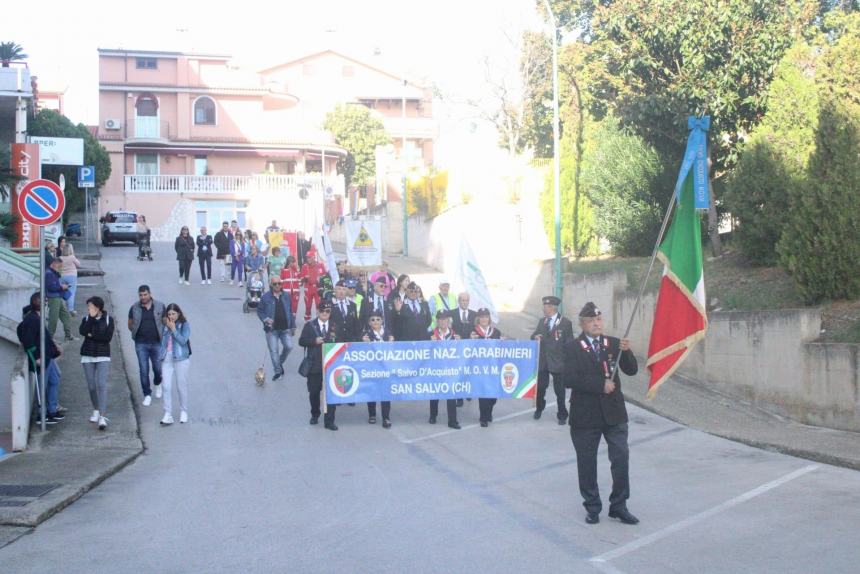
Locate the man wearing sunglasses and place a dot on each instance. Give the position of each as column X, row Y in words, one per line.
column 316, row 332
column 279, row 323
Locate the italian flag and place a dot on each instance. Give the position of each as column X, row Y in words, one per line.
column 680, row 319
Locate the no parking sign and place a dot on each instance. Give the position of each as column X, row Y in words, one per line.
column 41, row 202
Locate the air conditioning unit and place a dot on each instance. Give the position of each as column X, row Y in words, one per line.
column 113, row 124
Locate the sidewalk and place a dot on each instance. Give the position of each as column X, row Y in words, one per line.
column 72, row 457
column 687, row 402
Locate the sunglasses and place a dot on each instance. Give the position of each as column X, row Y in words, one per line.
column 325, row 311
column 375, row 319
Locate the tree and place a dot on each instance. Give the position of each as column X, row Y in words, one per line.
column 628, row 185
column 10, row 52
column 359, row 132
column 654, row 62
column 774, row 160
column 49, row 123
column 820, row 245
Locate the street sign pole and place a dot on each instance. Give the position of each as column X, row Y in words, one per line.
column 42, row 309
column 87, row 217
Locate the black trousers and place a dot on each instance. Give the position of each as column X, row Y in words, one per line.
column 184, row 268
column 557, row 386
column 452, row 409
column 485, row 408
column 205, row 267
column 386, row 410
column 586, row 442
column 314, row 390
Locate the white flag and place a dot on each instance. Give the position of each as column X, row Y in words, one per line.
column 469, row 275
column 328, row 254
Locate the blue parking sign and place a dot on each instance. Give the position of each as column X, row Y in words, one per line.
column 87, row 176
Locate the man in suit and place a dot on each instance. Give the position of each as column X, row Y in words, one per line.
column 222, row 245
column 344, row 315
column 204, row 256
column 597, row 409
column 411, row 317
column 314, row 334
column 375, row 301
column 554, row 333
column 462, row 318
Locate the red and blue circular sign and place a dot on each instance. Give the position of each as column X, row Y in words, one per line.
column 41, row 202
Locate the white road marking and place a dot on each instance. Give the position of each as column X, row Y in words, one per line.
column 600, row 561
column 468, row 427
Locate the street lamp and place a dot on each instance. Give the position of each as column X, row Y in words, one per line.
column 555, row 149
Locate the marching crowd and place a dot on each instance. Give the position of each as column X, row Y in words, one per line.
column 359, row 307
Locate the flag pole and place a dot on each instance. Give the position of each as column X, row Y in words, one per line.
column 645, row 277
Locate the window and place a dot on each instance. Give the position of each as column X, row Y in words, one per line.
column 147, row 107
column 201, row 165
column 201, row 219
column 146, row 164
column 204, row 111
column 147, row 64
column 313, row 166
column 280, row 167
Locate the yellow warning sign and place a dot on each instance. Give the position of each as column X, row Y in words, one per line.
column 363, row 240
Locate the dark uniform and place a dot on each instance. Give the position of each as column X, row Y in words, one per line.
column 485, row 406
column 324, row 328
column 556, row 335
column 461, row 327
column 593, row 414
column 411, row 322
column 377, row 337
column 345, row 316
column 450, row 404
column 376, row 302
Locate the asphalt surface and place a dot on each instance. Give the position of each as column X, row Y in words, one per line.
column 249, row 486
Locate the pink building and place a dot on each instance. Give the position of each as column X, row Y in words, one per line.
column 195, row 140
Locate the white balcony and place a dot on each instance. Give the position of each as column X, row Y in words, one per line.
column 232, row 184
column 15, row 81
column 414, row 128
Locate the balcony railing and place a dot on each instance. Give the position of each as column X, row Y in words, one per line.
column 423, row 128
column 232, row 184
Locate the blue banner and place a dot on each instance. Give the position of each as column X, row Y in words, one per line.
column 696, row 159
column 424, row 370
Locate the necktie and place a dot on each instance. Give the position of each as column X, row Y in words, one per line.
column 343, row 308
column 378, row 304
column 595, row 344
column 414, row 307
column 465, row 314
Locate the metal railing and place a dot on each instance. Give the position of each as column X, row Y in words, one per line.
column 26, row 260
column 232, row 184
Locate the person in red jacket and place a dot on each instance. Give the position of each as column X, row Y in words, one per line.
column 312, row 270
column 291, row 276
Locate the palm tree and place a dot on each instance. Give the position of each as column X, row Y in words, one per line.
column 10, row 51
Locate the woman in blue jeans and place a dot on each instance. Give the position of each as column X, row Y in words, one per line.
column 175, row 354
column 237, row 255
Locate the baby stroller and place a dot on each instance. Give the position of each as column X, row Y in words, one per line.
column 144, row 250
column 253, row 291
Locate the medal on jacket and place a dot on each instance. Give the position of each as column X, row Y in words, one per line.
column 556, row 332
column 484, row 334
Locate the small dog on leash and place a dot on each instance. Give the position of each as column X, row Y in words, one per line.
column 260, row 376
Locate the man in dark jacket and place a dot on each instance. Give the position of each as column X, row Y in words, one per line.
column 597, row 409
column 375, row 303
column 554, row 333
column 411, row 317
column 316, row 332
column 145, row 321
column 462, row 318
column 56, row 290
column 222, row 247
column 28, row 335
column 279, row 323
column 344, row 314
column 204, row 256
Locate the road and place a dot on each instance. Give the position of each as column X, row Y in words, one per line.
column 249, row 486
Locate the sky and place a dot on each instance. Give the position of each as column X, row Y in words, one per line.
column 444, row 43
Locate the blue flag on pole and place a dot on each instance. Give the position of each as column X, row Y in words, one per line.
column 696, row 158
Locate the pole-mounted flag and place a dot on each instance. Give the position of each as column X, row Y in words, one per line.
column 680, row 319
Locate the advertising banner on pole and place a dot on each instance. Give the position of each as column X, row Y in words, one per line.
column 25, row 163
column 364, row 242
column 424, row 370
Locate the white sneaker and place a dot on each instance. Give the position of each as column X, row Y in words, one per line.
column 167, row 419
column 95, row 417
column 158, row 392
column 183, row 417
column 231, row 281
column 103, row 423
column 187, row 283
column 180, row 280
column 203, row 282
column 209, row 282
column 147, row 400
column 240, row 283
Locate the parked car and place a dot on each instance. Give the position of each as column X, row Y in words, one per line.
column 121, row 226
column 73, row 230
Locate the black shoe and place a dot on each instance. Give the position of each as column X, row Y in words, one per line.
column 432, row 420
column 331, row 426
column 624, row 516
column 592, row 518
column 56, row 416
column 538, row 413
column 562, row 421
column 489, row 420
column 48, row 421
column 371, row 420
column 454, row 425
column 459, row 402
column 277, row 376
column 386, row 424
column 315, row 420
column 485, row 424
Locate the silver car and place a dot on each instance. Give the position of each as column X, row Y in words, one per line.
column 122, row 226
